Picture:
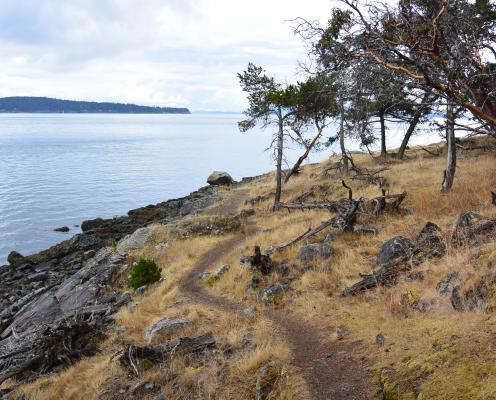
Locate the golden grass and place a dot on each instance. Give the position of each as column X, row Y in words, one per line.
column 436, row 354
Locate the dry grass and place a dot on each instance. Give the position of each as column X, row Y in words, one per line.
column 436, row 354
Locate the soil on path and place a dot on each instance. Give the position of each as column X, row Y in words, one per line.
column 330, row 369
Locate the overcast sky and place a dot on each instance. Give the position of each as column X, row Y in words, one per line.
column 155, row 52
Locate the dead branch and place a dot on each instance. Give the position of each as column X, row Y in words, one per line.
column 342, row 222
column 350, row 191
column 439, row 151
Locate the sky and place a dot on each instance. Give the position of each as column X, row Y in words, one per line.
column 183, row 53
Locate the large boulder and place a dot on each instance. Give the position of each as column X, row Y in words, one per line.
column 15, row 259
column 396, row 250
column 314, row 251
column 430, row 241
column 220, row 178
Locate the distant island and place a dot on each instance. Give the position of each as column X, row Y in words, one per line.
column 49, row 105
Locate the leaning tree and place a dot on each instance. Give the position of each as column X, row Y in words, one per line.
column 269, row 106
column 445, row 45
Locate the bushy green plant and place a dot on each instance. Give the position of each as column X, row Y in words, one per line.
column 212, row 279
column 144, row 272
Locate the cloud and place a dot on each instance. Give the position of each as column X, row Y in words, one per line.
column 172, row 52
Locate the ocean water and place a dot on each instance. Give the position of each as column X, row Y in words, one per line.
column 60, row 169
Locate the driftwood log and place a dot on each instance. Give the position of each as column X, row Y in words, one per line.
column 342, row 222
column 164, row 352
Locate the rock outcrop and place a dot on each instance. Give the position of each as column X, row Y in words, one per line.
column 54, row 303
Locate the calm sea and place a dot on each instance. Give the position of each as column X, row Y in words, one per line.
column 60, row 169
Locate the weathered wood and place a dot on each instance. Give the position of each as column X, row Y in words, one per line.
column 342, row 222
column 386, row 275
column 365, row 229
column 332, row 206
column 131, row 354
column 350, row 191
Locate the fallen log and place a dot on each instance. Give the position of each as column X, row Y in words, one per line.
column 399, row 255
column 331, row 206
column 386, row 276
column 131, row 354
column 342, row 222
column 365, row 229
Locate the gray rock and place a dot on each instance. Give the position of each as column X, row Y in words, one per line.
column 396, row 250
column 380, row 340
column 25, row 340
column 330, row 237
column 245, row 262
column 430, row 241
column 272, row 294
column 420, row 305
column 131, row 306
column 222, row 270
column 161, row 246
column 220, row 178
column 62, row 229
column 450, row 281
column 165, row 326
column 249, row 312
column 119, row 330
column 202, row 276
column 341, row 332
column 15, row 259
column 314, row 251
column 38, row 277
column 141, row 290
column 135, row 240
column 456, row 299
column 267, row 377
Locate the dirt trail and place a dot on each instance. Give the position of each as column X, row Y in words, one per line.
column 329, row 369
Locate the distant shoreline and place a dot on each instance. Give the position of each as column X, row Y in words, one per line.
column 46, row 105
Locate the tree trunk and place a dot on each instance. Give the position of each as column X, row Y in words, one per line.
column 341, row 142
column 411, row 128
column 304, row 156
column 280, row 144
column 383, row 135
column 449, row 173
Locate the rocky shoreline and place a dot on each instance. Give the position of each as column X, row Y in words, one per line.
column 62, row 293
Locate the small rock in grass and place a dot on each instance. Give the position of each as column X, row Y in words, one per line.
column 267, row 377
column 341, row 332
column 271, row 294
column 380, row 340
column 313, row 251
column 164, row 326
column 161, row 246
column 222, row 270
column 456, row 299
column 202, row 276
column 131, row 306
column 141, row 290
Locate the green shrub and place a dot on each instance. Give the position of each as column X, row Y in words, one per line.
column 212, row 279
column 144, row 272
